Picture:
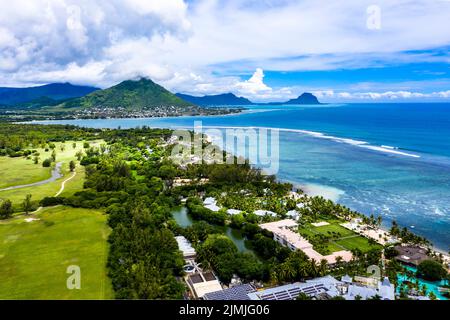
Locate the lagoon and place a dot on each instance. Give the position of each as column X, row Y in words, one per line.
column 184, row 220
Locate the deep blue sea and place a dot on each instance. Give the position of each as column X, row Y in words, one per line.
column 388, row 159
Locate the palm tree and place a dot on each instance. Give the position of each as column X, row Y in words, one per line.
column 323, row 267
column 338, row 261
column 379, row 220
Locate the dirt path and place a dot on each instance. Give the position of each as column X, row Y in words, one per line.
column 63, row 184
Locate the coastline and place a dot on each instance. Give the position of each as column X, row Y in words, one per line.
column 313, row 189
column 389, row 150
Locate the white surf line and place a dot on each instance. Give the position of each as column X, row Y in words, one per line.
column 64, row 183
column 315, row 134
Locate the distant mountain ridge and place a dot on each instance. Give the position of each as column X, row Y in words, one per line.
column 53, row 91
column 215, row 100
column 304, row 98
column 129, row 94
column 231, row 99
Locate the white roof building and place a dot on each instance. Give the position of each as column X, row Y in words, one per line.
column 317, row 288
column 312, row 288
column 233, row 211
column 263, row 213
column 185, row 246
column 283, row 234
column 293, row 214
column 384, row 289
column 211, row 204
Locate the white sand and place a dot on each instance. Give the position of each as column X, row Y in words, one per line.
column 320, row 224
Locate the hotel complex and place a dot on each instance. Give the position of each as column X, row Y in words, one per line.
column 283, row 233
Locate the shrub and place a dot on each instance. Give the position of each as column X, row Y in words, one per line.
column 47, row 163
column 431, row 270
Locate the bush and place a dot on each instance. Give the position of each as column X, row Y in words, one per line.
column 52, row 201
column 47, row 163
column 431, row 270
column 390, row 252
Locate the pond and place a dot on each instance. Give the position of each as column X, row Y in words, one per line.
column 183, row 219
column 431, row 286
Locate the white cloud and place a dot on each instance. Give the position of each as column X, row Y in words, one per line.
column 382, row 96
column 255, row 85
column 200, row 46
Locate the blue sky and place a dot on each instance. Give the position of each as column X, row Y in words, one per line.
column 353, row 50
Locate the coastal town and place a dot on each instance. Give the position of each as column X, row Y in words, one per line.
column 100, row 112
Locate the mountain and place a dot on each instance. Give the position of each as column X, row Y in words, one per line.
column 216, row 100
column 36, row 103
column 130, row 94
column 305, row 98
column 53, row 91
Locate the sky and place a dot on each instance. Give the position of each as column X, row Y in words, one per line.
column 264, row 50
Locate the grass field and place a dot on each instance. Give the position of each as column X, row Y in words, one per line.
column 336, row 228
column 359, row 242
column 16, row 171
column 15, row 165
column 34, row 256
column 344, row 239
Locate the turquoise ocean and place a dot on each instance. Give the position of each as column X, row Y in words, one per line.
column 389, row 159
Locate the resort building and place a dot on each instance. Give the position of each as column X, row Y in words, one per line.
column 202, row 282
column 186, row 248
column 199, row 282
column 263, row 213
column 211, row 204
column 384, row 289
column 283, row 233
column 319, row 289
column 293, row 214
column 411, row 255
column 178, row 182
column 235, row 293
column 233, row 211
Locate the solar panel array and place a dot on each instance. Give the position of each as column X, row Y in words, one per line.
column 293, row 292
column 234, row 293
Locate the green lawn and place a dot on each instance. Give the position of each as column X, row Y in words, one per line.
column 34, row 256
column 45, row 190
column 16, row 171
column 327, row 230
column 357, row 242
column 346, row 240
column 51, row 188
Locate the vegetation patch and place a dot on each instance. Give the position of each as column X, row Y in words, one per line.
column 36, row 254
